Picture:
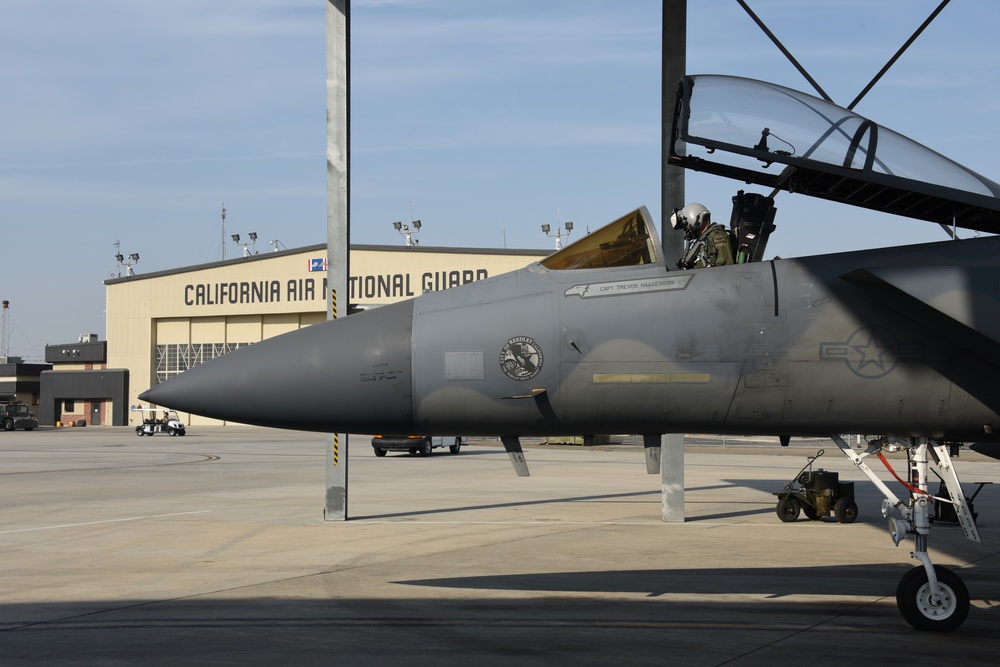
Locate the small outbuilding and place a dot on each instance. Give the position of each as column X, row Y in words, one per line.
column 81, row 389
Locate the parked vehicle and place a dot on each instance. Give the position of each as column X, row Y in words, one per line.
column 168, row 423
column 414, row 444
column 16, row 415
column 819, row 492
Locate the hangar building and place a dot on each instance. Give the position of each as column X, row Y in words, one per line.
column 160, row 324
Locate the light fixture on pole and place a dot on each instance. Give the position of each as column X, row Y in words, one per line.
column 407, row 232
column 246, row 244
column 558, row 233
column 133, row 259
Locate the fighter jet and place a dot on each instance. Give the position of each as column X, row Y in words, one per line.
column 607, row 336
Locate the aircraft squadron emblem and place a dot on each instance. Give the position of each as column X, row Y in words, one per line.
column 521, row 358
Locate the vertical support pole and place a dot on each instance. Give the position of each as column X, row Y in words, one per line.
column 674, row 66
column 672, row 476
column 338, row 51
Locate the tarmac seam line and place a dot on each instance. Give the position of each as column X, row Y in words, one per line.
column 95, row 523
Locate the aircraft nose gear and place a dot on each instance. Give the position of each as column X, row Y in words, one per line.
column 929, row 597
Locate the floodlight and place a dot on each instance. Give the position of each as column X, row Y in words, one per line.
column 397, row 225
column 236, row 238
column 545, row 229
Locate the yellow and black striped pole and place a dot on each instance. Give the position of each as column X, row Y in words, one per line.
column 338, row 69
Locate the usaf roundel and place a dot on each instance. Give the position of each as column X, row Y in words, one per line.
column 521, row 358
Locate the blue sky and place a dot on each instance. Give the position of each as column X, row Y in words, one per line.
column 135, row 121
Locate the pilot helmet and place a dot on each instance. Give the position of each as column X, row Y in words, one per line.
column 691, row 218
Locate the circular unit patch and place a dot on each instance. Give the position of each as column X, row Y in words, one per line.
column 521, row 358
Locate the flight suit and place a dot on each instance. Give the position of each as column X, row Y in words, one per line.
column 718, row 251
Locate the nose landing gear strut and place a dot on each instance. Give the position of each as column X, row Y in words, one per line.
column 929, row 597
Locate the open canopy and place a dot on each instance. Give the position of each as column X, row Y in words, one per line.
column 758, row 132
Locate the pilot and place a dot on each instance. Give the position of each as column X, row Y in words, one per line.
column 706, row 243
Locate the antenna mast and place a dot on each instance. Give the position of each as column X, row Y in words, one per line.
column 118, row 256
column 223, row 231
column 5, row 331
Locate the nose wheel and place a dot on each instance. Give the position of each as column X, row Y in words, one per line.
column 925, row 610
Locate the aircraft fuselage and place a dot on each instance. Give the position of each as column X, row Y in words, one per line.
column 791, row 347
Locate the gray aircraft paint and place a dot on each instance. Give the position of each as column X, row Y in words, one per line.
column 796, row 347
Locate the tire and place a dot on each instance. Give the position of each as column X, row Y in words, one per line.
column 425, row 448
column 913, row 600
column 29, row 428
column 457, row 447
column 379, row 452
column 138, row 431
column 845, row 510
column 788, row 509
column 182, row 431
column 810, row 512
column 8, row 424
column 172, row 431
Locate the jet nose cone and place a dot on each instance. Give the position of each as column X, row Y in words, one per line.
column 347, row 375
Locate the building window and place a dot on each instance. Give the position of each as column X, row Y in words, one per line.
column 173, row 359
column 69, row 405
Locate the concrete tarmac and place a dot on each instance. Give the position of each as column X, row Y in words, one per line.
column 212, row 549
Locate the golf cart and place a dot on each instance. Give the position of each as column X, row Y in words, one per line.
column 168, row 422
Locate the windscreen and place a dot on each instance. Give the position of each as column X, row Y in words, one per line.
column 628, row 241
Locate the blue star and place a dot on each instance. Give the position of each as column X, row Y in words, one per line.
column 871, row 353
